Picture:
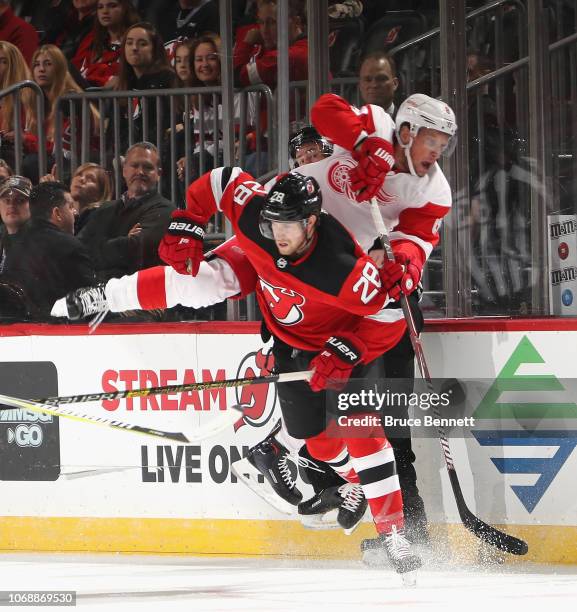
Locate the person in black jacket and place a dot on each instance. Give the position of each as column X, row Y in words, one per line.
column 14, row 211
column 187, row 19
column 123, row 235
column 144, row 65
column 45, row 259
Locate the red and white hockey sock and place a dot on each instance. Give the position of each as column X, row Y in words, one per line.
column 334, row 452
column 374, row 462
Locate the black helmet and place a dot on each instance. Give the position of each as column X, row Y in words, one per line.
column 292, row 198
column 308, row 133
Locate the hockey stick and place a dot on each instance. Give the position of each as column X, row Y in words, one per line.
column 214, row 384
column 192, row 434
column 482, row 530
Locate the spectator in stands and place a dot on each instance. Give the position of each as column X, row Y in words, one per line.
column 144, row 65
column 98, row 55
column 5, row 171
column 205, row 66
column 255, row 61
column 13, row 69
column 14, row 211
column 45, row 259
column 78, row 22
column 50, row 71
column 187, row 19
column 378, row 81
column 123, row 235
column 16, row 31
column 89, row 187
column 255, row 56
column 183, row 63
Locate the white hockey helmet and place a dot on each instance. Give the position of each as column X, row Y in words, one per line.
column 420, row 110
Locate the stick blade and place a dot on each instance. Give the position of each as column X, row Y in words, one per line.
column 499, row 539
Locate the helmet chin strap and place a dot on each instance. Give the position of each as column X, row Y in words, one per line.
column 407, row 150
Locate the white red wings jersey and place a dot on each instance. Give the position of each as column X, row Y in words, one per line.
column 412, row 207
column 334, row 288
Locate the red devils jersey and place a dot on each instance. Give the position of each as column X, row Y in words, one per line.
column 334, row 288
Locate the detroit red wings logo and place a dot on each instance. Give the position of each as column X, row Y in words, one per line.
column 340, row 182
column 338, row 177
column 259, row 400
column 284, row 304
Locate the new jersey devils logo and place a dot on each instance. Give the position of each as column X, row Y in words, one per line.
column 284, row 304
column 260, row 400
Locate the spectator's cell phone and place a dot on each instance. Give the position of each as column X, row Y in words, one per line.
column 29, row 442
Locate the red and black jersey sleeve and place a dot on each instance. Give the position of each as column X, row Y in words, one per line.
column 227, row 190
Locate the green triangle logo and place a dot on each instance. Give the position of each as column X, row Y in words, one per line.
column 509, row 380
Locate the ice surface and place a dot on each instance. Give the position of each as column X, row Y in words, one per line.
column 166, row 583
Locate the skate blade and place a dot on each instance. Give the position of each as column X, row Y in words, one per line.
column 351, row 529
column 328, row 520
column 248, row 474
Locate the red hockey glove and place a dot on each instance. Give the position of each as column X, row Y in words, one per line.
column 411, row 274
column 391, row 274
column 333, row 366
column 375, row 158
column 181, row 245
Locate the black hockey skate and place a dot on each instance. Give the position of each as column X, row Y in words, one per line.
column 320, row 511
column 396, row 549
column 353, row 507
column 270, row 459
column 85, row 302
column 415, row 531
column 348, row 499
column 402, row 559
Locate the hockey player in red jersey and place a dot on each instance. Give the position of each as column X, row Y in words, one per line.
column 327, row 323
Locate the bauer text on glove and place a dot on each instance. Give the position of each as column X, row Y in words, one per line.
column 333, row 366
column 181, row 245
column 375, row 157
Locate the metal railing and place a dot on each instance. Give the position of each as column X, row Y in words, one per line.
column 168, row 119
column 15, row 91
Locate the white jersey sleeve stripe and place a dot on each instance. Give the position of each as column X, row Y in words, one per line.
column 387, row 315
column 426, row 246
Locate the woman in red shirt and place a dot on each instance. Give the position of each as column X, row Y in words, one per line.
column 98, row 55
